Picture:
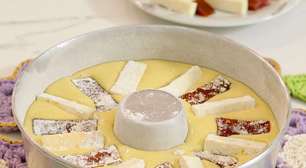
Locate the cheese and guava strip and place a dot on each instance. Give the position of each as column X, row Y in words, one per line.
column 50, row 127
column 228, row 127
column 99, row 158
column 220, row 160
column 204, row 93
column 96, row 93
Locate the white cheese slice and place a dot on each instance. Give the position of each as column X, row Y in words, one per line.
column 129, row 78
column 98, row 158
column 233, row 6
column 187, row 7
column 132, row 163
column 190, row 162
column 81, row 110
column 232, row 146
column 224, row 106
column 76, row 140
column 185, row 82
column 294, row 151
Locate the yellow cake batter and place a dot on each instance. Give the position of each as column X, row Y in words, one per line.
column 157, row 74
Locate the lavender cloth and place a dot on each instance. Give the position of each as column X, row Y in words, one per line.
column 297, row 126
column 6, row 90
column 297, row 123
column 13, row 154
column 6, row 87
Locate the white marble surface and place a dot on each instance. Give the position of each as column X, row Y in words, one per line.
column 29, row 27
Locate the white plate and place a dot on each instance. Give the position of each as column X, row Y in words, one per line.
column 219, row 19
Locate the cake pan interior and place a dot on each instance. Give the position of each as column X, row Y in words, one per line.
column 144, row 42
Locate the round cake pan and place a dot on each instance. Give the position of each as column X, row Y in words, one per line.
column 147, row 42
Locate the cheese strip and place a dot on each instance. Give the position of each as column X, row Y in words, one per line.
column 129, row 78
column 49, row 127
column 69, row 106
column 184, row 82
column 228, row 127
column 220, row 160
column 102, row 157
column 164, row 165
column 224, row 106
column 76, row 140
column 132, row 163
column 187, row 7
column 239, row 7
column 190, row 162
column 93, row 90
column 202, row 94
column 232, row 146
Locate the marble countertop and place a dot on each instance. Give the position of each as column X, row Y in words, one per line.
column 27, row 28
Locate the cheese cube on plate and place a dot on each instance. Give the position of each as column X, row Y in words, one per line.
column 239, row 7
column 187, row 7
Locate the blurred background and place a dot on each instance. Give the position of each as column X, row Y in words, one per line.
column 28, row 28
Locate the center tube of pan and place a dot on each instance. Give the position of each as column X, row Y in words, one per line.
column 151, row 120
